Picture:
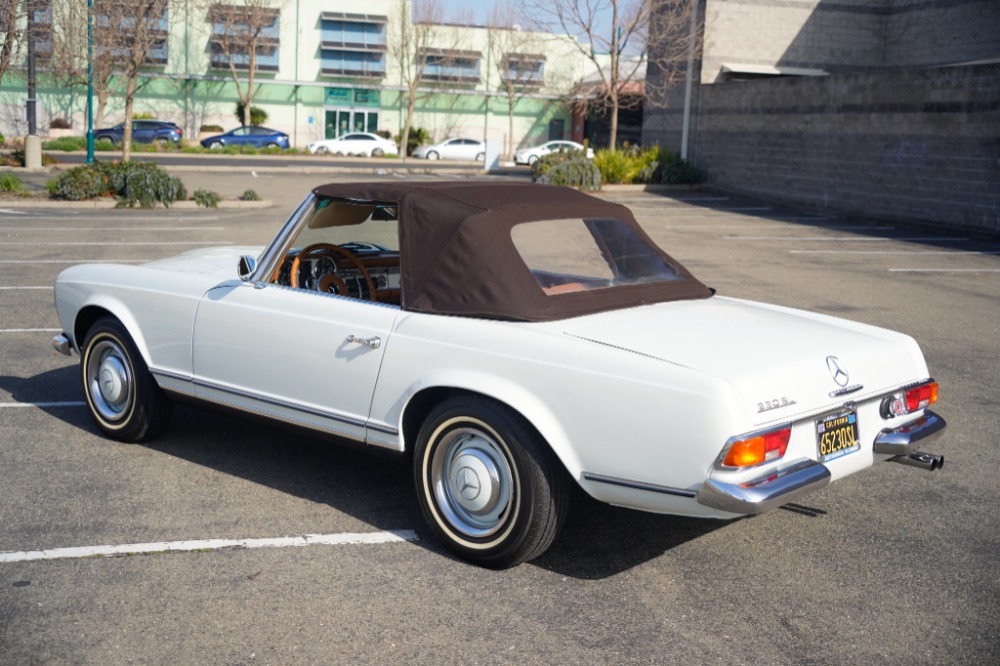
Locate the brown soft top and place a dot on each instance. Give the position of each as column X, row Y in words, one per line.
column 457, row 256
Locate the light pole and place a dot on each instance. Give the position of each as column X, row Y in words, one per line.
column 90, row 81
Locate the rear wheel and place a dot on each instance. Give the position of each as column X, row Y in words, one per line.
column 487, row 484
column 122, row 396
column 480, row 157
column 377, row 152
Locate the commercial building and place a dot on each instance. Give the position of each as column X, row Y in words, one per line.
column 323, row 68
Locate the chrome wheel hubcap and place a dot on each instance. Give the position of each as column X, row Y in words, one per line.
column 472, row 482
column 109, row 379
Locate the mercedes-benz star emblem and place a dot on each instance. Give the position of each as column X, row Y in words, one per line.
column 837, row 371
column 468, row 482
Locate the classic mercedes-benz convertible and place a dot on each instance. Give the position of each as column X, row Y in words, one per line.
column 505, row 340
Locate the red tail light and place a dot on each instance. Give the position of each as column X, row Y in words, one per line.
column 909, row 400
column 760, row 448
column 921, row 396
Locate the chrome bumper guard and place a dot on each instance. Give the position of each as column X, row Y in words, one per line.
column 902, row 440
column 61, row 344
column 767, row 492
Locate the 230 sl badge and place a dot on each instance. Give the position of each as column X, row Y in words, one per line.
column 776, row 403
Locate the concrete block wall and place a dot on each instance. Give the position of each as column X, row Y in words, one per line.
column 911, row 144
column 919, row 33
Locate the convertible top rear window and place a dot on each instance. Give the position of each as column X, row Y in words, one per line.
column 569, row 255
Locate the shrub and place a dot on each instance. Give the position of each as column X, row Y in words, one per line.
column 578, row 172
column 143, row 115
column 418, row 137
column 80, row 183
column 672, row 169
column 16, row 158
column 141, row 183
column 258, row 116
column 10, row 183
column 206, row 198
column 60, row 123
column 628, row 164
column 250, row 195
column 66, row 143
column 213, row 128
column 3, row 140
column 546, row 162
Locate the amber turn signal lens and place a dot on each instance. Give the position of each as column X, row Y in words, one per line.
column 758, row 449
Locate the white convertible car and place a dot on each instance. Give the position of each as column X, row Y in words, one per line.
column 506, row 341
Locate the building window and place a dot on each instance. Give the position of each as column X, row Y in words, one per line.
column 524, row 69
column 238, row 29
column 451, row 66
column 352, row 44
column 118, row 26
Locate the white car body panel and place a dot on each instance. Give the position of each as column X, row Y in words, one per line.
column 636, row 403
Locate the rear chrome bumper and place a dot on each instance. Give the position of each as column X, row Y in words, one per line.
column 904, row 439
column 766, row 492
column 62, row 345
column 804, row 476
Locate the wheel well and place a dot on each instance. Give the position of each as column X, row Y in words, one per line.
column 84, row 320
column 423, row 402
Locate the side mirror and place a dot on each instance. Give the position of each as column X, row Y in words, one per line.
column 246, row 267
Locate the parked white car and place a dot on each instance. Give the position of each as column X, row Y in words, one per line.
column 355, row 143
column 532, row 155
column 470, row 150
column 505, row 340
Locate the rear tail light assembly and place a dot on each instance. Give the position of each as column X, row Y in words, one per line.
column 909, row 400
column 756, row 449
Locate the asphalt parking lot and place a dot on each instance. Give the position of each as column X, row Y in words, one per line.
column 890, row 566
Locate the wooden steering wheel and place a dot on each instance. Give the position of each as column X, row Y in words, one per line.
column 332, row 283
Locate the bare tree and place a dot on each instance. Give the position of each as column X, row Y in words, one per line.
column 410, row 41
column 11, row 32
column 611, row 33
column 241, row 32
column 129, row 37
column 516, row 58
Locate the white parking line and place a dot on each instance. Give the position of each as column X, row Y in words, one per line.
column 30, row 330
column 157, row 548
column 759, row 226
column 73, row 261
column 42, row 405
column 20, row 288
column 851, row 239
column 943, row 270
column 74, row 244
column 34, row 228
column 905, row 252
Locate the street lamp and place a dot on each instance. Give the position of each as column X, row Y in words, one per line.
column 90, row 81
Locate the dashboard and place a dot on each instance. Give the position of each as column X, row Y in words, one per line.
column 359, row 270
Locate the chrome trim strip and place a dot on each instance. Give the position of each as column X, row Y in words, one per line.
column 769, row 491
column 388, row 430
column 637, row 485
column 901, row 440
column 273, row 402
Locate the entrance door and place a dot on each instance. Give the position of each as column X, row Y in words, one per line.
column 342, row 121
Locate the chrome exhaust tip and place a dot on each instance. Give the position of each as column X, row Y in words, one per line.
column 927, row 461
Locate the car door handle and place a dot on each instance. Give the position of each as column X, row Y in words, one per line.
column 373, row 342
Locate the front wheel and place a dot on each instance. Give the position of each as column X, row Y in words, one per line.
column 487, row 484
column 215, row 145
column 122, row 396
column 433, row 155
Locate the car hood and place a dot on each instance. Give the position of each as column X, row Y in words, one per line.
column 777, row 358
column 220, row 261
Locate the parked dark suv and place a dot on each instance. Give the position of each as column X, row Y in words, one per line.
column 143, row 131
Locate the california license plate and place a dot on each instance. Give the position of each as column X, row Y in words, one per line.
column 837, row 436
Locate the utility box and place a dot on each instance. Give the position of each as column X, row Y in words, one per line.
column 492, row 155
